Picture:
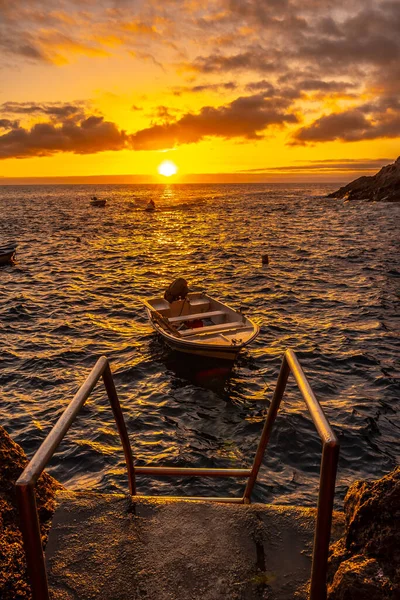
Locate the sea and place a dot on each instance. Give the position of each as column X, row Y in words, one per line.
column 330, row 292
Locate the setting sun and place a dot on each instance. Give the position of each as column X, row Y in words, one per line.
column 167, row 168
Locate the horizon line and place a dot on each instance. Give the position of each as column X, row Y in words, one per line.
column 212, row 178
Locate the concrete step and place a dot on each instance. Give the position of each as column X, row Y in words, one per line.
column 114, row 547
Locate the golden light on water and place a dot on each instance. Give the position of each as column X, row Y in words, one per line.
column 167, row 168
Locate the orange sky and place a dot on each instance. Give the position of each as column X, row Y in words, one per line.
column 276, row 90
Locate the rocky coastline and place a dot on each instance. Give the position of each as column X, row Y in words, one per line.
column 382, row 187
column 365, row 563
column 13, row 575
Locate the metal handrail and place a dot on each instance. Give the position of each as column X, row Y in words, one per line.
column 25, row 484
column 329, row 460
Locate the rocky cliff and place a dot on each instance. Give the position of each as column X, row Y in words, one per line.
column 365, row 563
column 13, row 576
column 382, row 187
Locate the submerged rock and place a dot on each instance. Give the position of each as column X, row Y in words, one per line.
column 382, row 187
column 365, row 563
column 13, row 576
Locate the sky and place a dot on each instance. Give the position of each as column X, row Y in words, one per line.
column 232, row 90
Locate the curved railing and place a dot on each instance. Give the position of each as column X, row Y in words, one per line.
column 25, row 486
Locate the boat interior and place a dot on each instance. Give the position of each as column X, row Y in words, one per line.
column 199, row 314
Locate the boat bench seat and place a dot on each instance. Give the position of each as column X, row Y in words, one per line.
column 213, row 328
column 203, row 315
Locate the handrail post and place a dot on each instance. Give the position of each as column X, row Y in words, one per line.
column 119, row 420
column 266, row 432
column 329, row 461
column 30, row 529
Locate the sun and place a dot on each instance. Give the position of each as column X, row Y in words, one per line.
column 167, row 168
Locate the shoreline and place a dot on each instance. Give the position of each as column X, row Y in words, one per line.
column 366, row 559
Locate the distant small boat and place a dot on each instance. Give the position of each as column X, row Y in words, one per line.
column 94, row 201
column 151, row 207
column 199, row 324
column 7, row 254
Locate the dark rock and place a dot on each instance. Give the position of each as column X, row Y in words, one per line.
column 360, row 577
column 373, row 520
column 382, row 187
column 365, row 563
column 13, row 576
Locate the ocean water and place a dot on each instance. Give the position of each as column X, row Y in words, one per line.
column 330, row 292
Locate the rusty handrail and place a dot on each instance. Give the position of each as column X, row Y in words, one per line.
column 329, row 460
column 25, row 485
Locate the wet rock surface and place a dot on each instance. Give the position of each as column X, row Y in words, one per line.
column 382, row 187
column 13, row 576
column 365, row 563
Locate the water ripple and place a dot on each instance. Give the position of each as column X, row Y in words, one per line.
column 330, row 292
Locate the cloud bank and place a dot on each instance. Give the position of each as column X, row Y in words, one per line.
column 70, row 130
column 78, row 135
column 326, row 70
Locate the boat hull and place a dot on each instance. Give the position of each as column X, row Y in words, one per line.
column 205, row 352
column 221, row 341
column 7, row 257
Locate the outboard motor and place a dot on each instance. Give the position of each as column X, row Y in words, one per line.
column 178, row 290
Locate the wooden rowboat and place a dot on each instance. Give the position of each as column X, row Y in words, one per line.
column 7, row 254
column 201, row 325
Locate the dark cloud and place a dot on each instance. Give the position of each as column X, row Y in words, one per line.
column 266, row 86
column 206, row 87
column 350, row 125
column 29, row 51
column 230, row 85
column 7, row 124
column 311, row 85
column 19, row 25
column 258, row 11
column 369, row 121
column 11, row 46
column 375, row 50
column 246, row 117
column 299, row 86
column 328, row 26
column 91, row 122
column 256, row 59
column 56, row 109
column 329, row 165
column 369, row 37
column 45, row 31
column 382, row 105
column 165, row 113
column 86, row 136
column 326, row 41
